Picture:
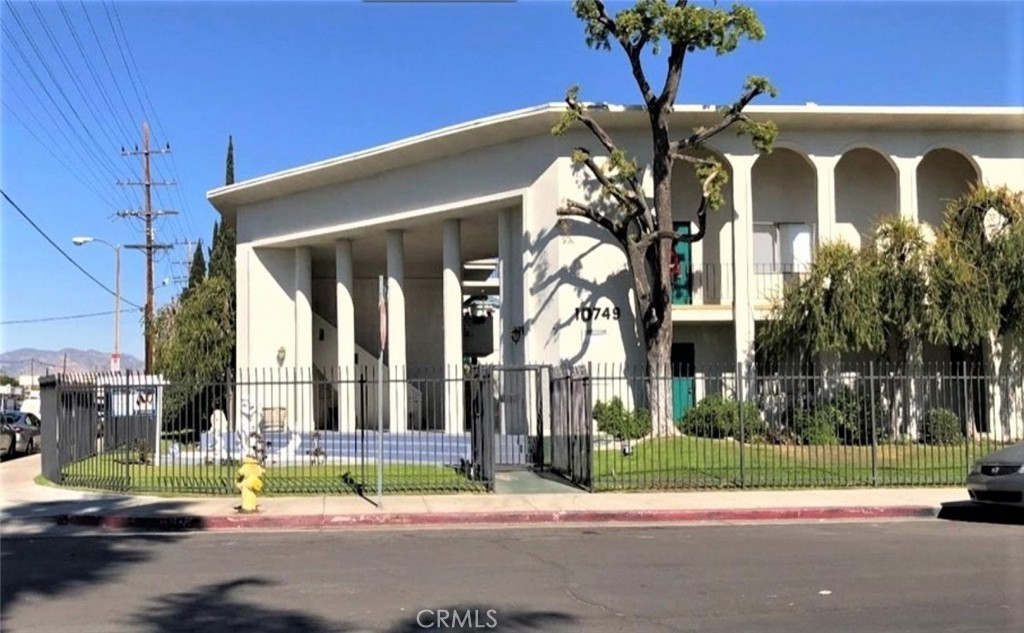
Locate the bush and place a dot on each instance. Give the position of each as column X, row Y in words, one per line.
column 818, row 426
column 718, row 417
column 845, row 418
column 942, row 426
column 853, row 424
column 613, row 419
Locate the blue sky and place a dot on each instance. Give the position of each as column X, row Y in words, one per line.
column 299, row 82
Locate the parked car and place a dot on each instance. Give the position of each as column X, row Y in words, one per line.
column 8, row 439
column 999, row 477
column 26, row 429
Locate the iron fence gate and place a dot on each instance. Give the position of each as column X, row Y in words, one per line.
column 517, row 397
column 480, row 419
column 572, row 429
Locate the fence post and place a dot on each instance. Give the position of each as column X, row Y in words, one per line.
column 740, row 401
column 968, row 416
column 49, row 412
column 874, row 435
column 587, row 425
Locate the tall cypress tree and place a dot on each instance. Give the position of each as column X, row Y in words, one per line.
column 229, row 168
column 197, row 271
column 222, row 251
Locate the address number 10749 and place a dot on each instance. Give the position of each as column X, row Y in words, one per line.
column 588, row 314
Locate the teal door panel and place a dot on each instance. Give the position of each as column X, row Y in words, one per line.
column 682, row 285
column 683, row 382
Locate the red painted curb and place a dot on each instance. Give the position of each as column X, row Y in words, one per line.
column 258, row 521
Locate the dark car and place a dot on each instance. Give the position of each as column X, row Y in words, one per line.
column 999, row 477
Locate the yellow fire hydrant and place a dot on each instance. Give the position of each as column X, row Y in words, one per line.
column 250, row 481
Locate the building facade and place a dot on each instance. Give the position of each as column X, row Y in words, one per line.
column 471, row 210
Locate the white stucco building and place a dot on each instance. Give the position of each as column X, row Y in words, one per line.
column 429, row 212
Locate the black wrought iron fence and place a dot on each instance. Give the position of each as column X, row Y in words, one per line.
column 319, row 431
column 572, row 429
column 732, row 427
column 315, row 431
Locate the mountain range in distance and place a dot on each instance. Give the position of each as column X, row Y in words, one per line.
column 30, row 361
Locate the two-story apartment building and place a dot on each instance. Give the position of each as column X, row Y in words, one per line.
column 437, row 214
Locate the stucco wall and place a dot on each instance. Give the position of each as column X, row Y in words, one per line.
column 866, row 189
column 271, row 309
column 581, row 269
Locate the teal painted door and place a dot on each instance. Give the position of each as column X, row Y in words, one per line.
column 683, row 394
column 682, row 285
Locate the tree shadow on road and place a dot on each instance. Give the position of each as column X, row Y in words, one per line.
column 219, row 607
column 243, row 605
column 35, row 564
column 476, row 617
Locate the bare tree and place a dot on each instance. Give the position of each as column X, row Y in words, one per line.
column 644, row 228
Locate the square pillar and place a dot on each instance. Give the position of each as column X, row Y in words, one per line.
column 825, row 169
column 396, row 343
column 347, row 373
column 452, row 316
column 743, row 267
column 906, row 168
column 303, row 413
column 506, row 312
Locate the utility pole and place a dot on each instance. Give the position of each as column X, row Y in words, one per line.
column 190, row 253
column 148, row 213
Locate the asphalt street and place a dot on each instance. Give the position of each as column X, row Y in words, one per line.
column 925, row 576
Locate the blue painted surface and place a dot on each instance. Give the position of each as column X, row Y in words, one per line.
column 417, row 447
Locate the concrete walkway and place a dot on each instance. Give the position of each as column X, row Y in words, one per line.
column 28, row 507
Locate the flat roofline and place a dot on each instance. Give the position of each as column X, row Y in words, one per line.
column 530, row 121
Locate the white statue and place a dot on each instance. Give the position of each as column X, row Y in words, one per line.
column 248, row 430
column 215, row 451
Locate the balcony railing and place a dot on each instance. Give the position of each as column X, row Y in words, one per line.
column 709, row 284
column 771, row 280
column 712, row 284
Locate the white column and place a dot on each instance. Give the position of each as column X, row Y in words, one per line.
column 742, row 260
column 243, row 351
column 302, row 415
column 907, row 169
column 396, row 345
column 506, row 314
column 452, row 314
column 825, row 168
column 243, row 359
column 347, row 373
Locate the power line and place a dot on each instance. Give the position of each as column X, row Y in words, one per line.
column 61, row 250
column 77, row 174
column 69, row 317
column 149, row 214
column 152, row 111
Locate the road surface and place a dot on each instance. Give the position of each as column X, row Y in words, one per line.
column 926, row 576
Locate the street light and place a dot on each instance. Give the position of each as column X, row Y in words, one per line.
column 115, row 358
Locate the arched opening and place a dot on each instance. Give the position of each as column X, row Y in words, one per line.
column 784, row 191
column 942, row 175
column 867, row 189
column 705, row 276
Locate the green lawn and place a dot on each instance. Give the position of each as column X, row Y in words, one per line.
column 108, row 472
column 691, row 462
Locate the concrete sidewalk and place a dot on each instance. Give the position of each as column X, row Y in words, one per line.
column 28, row 507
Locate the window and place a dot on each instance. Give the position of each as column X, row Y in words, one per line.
column 784, row 247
